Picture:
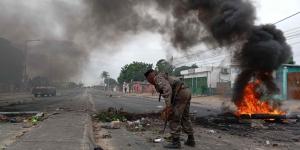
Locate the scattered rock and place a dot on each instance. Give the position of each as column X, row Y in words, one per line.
column 112, row 125
column 13, row 120
column 258, row 124
column 106, row 136
column 116, row 124
column 268, row 142
column 211, row 131
column 296, row 140
column 157, row 140
column 40, row 115
column 3, row 118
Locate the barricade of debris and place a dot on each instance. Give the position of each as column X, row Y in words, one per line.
column 114, row 118
column 28, row 118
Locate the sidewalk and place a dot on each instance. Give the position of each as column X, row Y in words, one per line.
column 65, row 131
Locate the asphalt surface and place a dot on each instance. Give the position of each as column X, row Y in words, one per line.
column 99, row 100
column 64, row 99
column 132, row 104
column 74, row 105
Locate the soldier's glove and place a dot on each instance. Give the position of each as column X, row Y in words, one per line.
column 166, row 113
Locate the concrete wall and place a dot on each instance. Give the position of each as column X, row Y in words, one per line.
column 214, row 75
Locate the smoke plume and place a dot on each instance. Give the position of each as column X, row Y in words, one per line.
column 56, row 21
column 71, row 30
column 59, row 58
column 263, row 50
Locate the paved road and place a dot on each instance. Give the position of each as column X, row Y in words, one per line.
column 65, row 99
column 138, row 104
column 68, row 99
column 74, row 105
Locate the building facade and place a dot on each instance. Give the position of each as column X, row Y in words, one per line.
column 288, row 81
column 209, row 80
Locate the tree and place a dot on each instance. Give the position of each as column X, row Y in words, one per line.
column 133, row 72
column 104, row 75
column 111, row 82
column 164, row 66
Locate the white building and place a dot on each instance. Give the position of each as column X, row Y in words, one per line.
column 215, row 75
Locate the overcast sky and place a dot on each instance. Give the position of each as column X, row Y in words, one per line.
column 149, row 47
column 144, row 46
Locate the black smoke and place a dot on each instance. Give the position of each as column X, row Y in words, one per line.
column 11, row 70
column 96, row 24
column 58, row 21
column 61, row 60
column 227, row 20
column 260, row 49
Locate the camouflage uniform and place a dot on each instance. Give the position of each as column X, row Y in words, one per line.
column 180, row 120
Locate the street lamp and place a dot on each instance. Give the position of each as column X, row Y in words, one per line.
column 25, row 76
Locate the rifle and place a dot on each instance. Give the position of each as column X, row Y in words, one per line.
column 176, row 88
column 159, row 99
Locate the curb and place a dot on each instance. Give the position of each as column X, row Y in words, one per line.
column 88, row 142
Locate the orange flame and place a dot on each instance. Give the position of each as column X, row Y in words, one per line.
column 251, row 104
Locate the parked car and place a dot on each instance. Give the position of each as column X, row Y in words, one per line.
column 44, row 91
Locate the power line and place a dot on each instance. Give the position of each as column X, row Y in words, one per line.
column 287, row 17
column 210, row 59
column 290, row 36
column 293, row 35
column 200, row 52
column 215, row 54
column 290, row 30
column 295, row 43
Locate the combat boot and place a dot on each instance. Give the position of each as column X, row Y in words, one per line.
column 175, row 144
column 190, row 141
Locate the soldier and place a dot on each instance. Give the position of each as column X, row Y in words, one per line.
column 177, row 98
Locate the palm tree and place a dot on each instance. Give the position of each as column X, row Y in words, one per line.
column 104, row 75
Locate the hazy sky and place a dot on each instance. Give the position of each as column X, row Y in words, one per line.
column 52, row 15
column 149, row 47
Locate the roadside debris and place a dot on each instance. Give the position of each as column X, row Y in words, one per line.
column 106, row 136
column 211, row 131
column 112, row 125
column 157, row 140
column 3, row 118
column 116, row 118
column 139, row 125
column 27, row 118
column 111, row 115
